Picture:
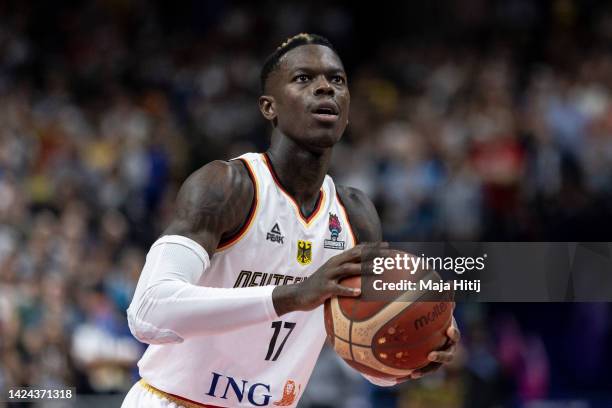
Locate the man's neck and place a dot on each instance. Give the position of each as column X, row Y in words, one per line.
column 301, row 172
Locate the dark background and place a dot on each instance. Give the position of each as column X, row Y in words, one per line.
column 471, row 120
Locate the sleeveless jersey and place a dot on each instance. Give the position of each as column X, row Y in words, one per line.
column 265, row 364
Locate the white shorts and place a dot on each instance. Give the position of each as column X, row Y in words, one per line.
column 143, row 395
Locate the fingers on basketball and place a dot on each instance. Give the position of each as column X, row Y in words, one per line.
column 341, row 290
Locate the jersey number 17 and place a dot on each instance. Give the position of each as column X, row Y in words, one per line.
column 277, row 326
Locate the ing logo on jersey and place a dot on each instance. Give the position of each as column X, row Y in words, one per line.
column 289, row 394
column 304, row 252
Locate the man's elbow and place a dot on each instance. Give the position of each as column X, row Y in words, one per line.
column 144, row 330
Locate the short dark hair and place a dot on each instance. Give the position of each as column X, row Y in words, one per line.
column 273, row 59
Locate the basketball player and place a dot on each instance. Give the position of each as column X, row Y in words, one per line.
column 230, row 297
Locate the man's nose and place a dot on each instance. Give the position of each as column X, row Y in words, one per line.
column 323, row 87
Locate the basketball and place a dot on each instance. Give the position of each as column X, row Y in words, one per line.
column 389, row 339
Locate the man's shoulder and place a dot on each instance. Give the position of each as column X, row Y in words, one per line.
column 219, row 178
column 361, row 212
column 212, row 202
column 353, row 197
column 219, row 171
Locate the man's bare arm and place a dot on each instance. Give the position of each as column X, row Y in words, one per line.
column 361, row 213
column 169, row 304
column 213, row 203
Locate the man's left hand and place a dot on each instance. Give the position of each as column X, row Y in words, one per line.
column 439, row 357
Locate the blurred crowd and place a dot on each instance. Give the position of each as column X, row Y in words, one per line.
column 473, row 120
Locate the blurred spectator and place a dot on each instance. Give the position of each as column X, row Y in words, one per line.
column 102, row 348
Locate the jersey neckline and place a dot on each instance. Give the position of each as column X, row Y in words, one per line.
column 320, row 200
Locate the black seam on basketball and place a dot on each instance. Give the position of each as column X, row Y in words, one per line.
column 350, row 325
column 342, row 311
column 353, row 343
column 340, row 338
column 350, row 342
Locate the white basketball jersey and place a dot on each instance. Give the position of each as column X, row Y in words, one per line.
column 265, row 364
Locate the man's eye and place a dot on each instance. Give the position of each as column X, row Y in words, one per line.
column 337, row 79
column 301, row 78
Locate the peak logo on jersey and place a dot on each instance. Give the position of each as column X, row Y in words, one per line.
column 289, row 394
column 335, row 228
column 275, row 235
column 304, row 252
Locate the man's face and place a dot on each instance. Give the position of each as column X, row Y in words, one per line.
column 309, row 97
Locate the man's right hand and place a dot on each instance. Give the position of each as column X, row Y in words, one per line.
column 324, row 283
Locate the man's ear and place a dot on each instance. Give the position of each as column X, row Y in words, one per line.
column 267, row 106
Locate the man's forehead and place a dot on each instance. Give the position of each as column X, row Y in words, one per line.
column 311, row 56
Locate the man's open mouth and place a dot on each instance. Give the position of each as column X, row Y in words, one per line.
column 326, row 112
